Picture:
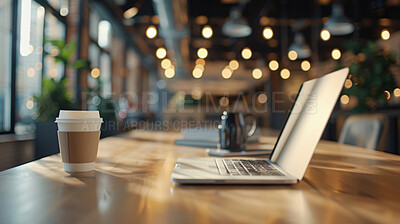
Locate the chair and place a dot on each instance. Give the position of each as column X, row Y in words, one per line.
column 363, row 130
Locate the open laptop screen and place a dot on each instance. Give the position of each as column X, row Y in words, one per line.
column 306, row 122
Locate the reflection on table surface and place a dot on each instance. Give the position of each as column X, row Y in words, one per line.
column 344, row 184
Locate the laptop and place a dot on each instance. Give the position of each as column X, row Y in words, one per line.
column 292, row 151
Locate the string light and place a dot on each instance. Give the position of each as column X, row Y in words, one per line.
column 199, row 66
column 224, row 101
column 336, row 54
column 226, row 73
column 234, row 65
column 197, row 73
column 151, row 32
column 246, row 53
column 169, row 73
column 262, row 98
column 130, row 13
column 200, row 61
column 325, row 35
column 385, row 34
column 292, row 55
column 30, row 72
column 348, row 84
column 64, row 11
column 202, row 53
column 273, row 65
column 396, row 92
column 305, row 65
column 29, row 103
column 285, row 73
column 166, row 63
column 95, row 73
column 387, row 94
column 196, row 94
column 344, row 99
column 257, row 73
column 268, row 33
column 207, row 32
column 161, row 53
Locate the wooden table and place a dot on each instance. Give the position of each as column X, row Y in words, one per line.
column 131, row 184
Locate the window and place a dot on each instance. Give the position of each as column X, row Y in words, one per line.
column 5, row 65
column 105, row 68
column 54, row 30
column 104, row 34
column 34, row 58
column 100, row 33
column 29, row 63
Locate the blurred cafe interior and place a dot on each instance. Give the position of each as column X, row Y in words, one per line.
column 165, row 66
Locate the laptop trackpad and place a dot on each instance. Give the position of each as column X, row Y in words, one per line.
column 200, row 164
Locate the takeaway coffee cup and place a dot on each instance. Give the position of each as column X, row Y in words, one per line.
column 78, row 138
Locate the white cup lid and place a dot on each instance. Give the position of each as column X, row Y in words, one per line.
column 85, row 120
column 78, row 114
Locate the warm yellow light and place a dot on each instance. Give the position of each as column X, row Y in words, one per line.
column 305, row 65
column 344, row 99
column 166, row 63
column 64, row 11
column 196, row 93
column 246, row 53
column 268, row 33
column 30, row 72
column 161, row 53
column 325, row 35
column 224, row 101
column 396, row 92
column 197, row 73
column 387, row 94
column 234, row 65
column 257, row 73
column 53, row 72
column 29, row 103
column 39, row 66
column 292, row 55
column 273, row 65
column 262, row 98
column 95, row 73
column 385, row 34
column 169, row 73
column 54, row 52
column 226, row 73
column 199, row 66
column 151, row 32
column 285, row 73
column 348, row 84
column 201, row 20
column 202, row 53
column 130, row 12
column 336, row 54
column 200, row 61
column 207, row 32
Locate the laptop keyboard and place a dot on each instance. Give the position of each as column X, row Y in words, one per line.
column 236, row 167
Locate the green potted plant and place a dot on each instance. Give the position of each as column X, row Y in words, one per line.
column 370, row 81
column 54, row 96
